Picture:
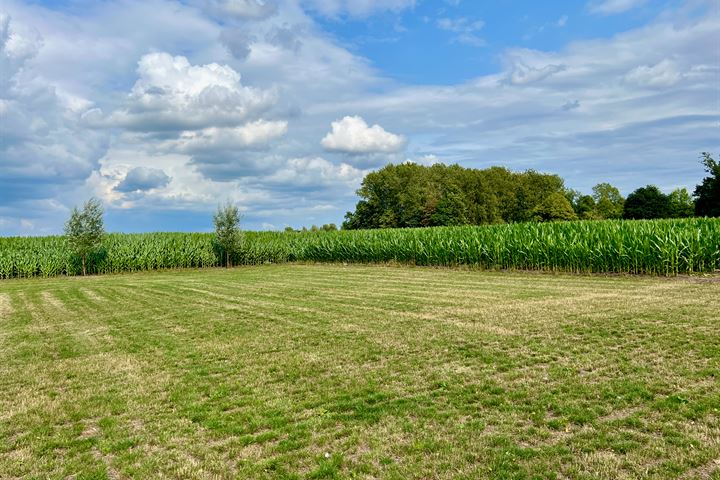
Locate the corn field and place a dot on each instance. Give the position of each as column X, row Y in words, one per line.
column 655, row 247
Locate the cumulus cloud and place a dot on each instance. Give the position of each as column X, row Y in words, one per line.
column 315, row 172
column 353, row 135
column 611, row 7
column 201, row 112
column 171, row 94
column 141, row 179
column 255, row 134
column 17, row 45
column 43, row 146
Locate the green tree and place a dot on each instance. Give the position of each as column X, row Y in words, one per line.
column 681, row 203
column 555, row 207
column 586, row 208
column 532, row 191
column 227, row 230
column 410, row 195
column 608, row 201
column 450, row 209
column 84, row 230
column 583, row 205
column 647, row 202
column 707, row 194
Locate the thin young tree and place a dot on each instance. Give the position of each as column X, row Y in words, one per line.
column 84, row 230
column 227, row 230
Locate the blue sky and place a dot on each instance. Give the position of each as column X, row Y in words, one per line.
column 425, row 44
column 163, row 109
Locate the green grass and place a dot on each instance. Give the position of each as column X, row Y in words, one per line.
column 325, row 371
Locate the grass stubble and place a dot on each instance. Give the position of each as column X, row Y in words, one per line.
column 331, row 371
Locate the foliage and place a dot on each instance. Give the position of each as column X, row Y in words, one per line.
column 585, row 208
column 227, row 231
column 707, row 194
column 84, row 230
column 647, row 203
column 410, row 195
column 554, row 207
column 664, row 247
column 608, row 201
column 681, row 204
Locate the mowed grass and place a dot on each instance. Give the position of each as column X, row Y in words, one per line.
column 331, row 371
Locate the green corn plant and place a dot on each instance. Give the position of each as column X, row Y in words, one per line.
column 654, row 247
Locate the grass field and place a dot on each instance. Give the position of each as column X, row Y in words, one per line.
column 305, row 371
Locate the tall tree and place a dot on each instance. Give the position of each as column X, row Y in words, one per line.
column 227, row 230
column 586, row 208
column 608, row 201
column 681, row 203
column 84, row 230
column 583, row 205
column 450, row 209
column 647, row 202
column 707, row 194
column 555, row 207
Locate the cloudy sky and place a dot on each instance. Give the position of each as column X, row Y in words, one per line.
column 163, row 109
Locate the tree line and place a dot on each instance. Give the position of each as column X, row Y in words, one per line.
column 411, row 195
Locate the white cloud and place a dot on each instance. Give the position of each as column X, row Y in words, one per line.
column 470, row 39
column 18, row 44
column 171, row 94
column 460, row 25
column 562, row 21
column 44, row 149
column 357, row 8
column 315, row 172
column 353, row 135
column 238, row 42
column 465, row 29
column 523, row 74
column 663, row 74
column 241, row 9
column 142, row 179
column 255, row 134
column 611, row 7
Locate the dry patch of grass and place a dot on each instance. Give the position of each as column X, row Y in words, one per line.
column 5, row 306
column 330, row 371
